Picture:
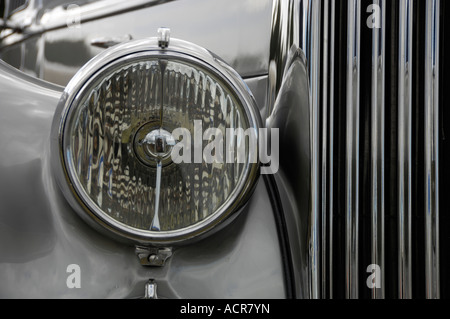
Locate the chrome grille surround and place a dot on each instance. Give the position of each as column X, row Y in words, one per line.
column 374, row 135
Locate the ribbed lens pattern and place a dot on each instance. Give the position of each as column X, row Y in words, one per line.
column 104, row 124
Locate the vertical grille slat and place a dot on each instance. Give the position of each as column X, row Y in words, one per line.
column 432, row 149
column 405, row 148
column 352, row 156
column 314, row 69
column 325, row 99
column 331, row 143
column 328, row 147
column 378, row 146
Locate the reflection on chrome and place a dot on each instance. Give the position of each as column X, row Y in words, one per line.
column 432, row 149
column 378, row 147
column 122, row 181
column 405, row 148
column 352, row 158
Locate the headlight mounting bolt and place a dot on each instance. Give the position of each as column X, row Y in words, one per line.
column 152, row 256
column 150, row 290
column 163, row 37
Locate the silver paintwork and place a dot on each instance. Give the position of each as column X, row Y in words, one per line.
column 432, row 149
column 240, row 36
column 287, row 106
column 405, row 148
column 41, row 236
column 62, row 15
column 58, row 17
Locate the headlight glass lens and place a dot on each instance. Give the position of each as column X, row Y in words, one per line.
column 115, row 111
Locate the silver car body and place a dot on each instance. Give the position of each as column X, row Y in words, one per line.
column 341, row 203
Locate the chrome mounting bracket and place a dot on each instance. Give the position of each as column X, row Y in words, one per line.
column 152, row 256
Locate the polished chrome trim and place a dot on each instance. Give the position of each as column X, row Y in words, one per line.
column 331, row 139
column 163, row 37
column 329, row 9
column 325, row 100
column 57, row 18
column 405, row 65
column 107, row 42
column 155, row 222
column 297, row 24
column 314, row 73
column 151, row 288
column 432, row 149
column 124, row 53
column 378, row 146
column 286, row 31
column 352, row 157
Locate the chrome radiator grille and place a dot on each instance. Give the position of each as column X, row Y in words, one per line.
column 380, row 133
column 378, row 144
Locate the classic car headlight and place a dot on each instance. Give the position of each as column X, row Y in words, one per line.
column 116, row 127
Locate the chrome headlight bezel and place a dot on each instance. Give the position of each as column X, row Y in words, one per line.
column 179, row 50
